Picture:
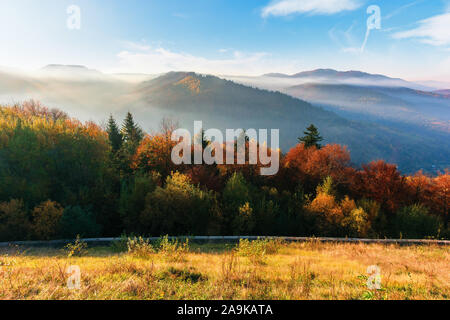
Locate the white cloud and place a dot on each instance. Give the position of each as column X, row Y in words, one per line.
column 327, row 7
column 159, row 60
column 434, row 31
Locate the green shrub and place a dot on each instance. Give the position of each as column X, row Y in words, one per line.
column 414, row 222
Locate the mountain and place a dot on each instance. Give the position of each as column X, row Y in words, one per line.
column 348, row 77
column 331, row 73
column 426, row 109
column 59, row 70
column 225, row 104
column 445, row 92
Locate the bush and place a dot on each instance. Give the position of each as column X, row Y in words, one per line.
column 77, row 248
column 414, row 222
column 14, row 221
column 140, row 247
column 257, row 250
column 46, row 220
column 173, row 251
column 76, row 221
column 120, row 245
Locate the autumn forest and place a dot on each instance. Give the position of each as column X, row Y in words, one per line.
column 61, row 178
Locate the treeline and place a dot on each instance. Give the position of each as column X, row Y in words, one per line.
column 60, row 178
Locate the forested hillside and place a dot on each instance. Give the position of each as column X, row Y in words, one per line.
column 60, row 178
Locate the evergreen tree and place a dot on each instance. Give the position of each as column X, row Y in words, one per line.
column 132, row 134
column 114, row 135
column 312, row 137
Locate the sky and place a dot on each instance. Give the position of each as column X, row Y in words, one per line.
column 229, row 37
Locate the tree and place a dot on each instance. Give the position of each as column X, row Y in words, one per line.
column 114, row 135
column 132, row 134
column 14, row 221
column 311, row 166
column 78, row 221
column 312, row 137
column 46, row 220
column 154, row 153
column 382, row 182
column 236, row 194
column 179, row 208
column 415, row 222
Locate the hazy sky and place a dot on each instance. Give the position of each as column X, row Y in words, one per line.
column 248, row 37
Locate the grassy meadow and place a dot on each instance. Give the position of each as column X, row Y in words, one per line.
column 262, row 270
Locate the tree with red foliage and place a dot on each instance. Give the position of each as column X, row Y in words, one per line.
column 382, row 182
column 310, row 166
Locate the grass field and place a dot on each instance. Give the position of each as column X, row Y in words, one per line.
column 271, row 271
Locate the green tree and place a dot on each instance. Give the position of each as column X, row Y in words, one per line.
column 78, row 221
column 311, row 138
column 179, row 208
column 132, row 134
column 415, row 222
column 236, row 203
column 114, row 135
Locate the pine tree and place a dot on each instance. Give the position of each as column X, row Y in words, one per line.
column 114, row 135
column 132, row 134
column 312, row 137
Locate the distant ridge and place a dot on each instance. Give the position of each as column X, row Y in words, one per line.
column 331, row 73
column 61, row 70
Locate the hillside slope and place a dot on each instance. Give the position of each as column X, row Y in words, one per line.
column 224, row 104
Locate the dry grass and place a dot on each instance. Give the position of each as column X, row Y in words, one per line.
column 293, row 271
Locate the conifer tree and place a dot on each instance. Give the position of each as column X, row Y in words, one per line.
column 311, row 138
column 132, row 134
column 114, row 135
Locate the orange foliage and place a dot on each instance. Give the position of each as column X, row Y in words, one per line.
column 312, row 165
column 383, row 183
column 154, row 154
column 434, row 193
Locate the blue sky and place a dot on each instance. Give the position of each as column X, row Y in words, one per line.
column 248, row 37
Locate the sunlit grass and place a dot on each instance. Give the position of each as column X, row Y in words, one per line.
column 293, row 271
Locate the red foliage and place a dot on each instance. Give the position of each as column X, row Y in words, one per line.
column 382, row 182
column 205, row 176
column 434, row 193
column 312, row 165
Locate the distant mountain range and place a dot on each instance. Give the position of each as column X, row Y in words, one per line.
column 398, row 104
column 375, row 122
column 348, row 77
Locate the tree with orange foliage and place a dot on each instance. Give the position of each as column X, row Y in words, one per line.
column 382, row 182
column 441, row 197
column 154, row 154
column 310, row 166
